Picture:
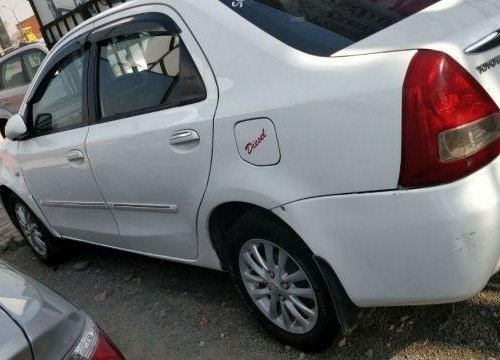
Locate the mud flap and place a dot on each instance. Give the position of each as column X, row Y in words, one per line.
column 349, row 315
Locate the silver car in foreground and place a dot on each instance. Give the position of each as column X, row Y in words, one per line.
column 36, row 323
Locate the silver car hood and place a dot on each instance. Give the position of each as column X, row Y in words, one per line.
column 51, row 324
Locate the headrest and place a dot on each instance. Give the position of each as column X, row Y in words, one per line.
column 158, row 51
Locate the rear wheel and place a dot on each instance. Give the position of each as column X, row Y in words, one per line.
column 281, row 283
column 43, row 244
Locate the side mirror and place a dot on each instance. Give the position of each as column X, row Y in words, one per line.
column 15, row 127
column 43, row 122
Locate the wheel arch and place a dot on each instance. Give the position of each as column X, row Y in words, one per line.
column 222, row 217
column 225, row 215
column 5, row 193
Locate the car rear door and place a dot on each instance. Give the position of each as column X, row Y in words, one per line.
column 53, row 157
column 151, row 142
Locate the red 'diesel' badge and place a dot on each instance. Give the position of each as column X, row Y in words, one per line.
column 251, row 146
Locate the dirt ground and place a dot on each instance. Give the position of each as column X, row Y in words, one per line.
column 155, row 309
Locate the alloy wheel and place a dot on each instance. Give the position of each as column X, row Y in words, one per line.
column 278, row 286
column 30, row 229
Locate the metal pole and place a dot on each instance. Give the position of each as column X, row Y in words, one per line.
column 42, row 25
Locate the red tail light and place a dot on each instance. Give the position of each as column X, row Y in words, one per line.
column 94, row 344
column 105, row 349
column 451, row 126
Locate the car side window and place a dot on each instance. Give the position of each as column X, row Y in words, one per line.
column 58, row 104
column 145, row 71
column 12, row 73
column 32, row 61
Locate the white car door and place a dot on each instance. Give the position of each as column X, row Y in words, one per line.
column 150, row 145
column 53, row 157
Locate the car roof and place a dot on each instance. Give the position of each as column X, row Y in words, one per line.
column 116, row 9
column 38, row 45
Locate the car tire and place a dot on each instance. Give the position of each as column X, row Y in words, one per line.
column 3, row 124
column 297, row 310
column 45, row 246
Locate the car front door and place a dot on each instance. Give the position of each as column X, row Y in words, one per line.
column 53, row 157
column 151, row 142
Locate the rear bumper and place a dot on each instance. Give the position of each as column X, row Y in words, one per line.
column 426, row 246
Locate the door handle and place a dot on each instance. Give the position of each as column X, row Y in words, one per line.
column 184, row 136
column 75, row 156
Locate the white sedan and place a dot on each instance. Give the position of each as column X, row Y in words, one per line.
column 332, row 155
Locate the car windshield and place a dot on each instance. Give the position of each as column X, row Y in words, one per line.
column 323, row 27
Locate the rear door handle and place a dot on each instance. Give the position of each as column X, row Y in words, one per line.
column 184, row 136
column 75, row 156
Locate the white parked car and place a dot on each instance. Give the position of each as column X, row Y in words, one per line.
column 17, row 68
column 333, row 156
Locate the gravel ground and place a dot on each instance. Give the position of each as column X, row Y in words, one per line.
column 159, row 310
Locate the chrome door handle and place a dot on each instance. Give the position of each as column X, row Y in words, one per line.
column 75, row 156
column 184, row 136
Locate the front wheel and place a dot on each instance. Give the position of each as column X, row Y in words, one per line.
column 3, row 123
column 43, row 244
column 281, row 283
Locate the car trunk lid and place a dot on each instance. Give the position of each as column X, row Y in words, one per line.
column 459, row 23
column 450, row 26
column 51, row 324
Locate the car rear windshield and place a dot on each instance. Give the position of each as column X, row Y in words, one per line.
column 323, row 27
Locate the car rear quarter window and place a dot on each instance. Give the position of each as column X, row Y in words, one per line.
column 323, row 27
column 12, row 73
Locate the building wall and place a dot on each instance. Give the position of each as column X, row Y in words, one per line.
column 50, row 10
column 32, row 23
column 4, row 36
